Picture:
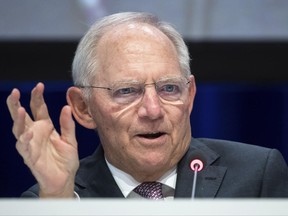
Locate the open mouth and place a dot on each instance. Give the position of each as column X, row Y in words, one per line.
column 151, row 135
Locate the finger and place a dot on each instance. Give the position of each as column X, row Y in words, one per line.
column 22, row 145
column 37, row 104
column 13, row 103
column 19, row 122
column 67, row 126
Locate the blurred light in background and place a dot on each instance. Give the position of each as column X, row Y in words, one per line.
column 195, row 19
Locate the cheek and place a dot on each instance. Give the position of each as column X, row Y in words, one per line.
column 180, row 121
column 179, row 115
column 113, row 121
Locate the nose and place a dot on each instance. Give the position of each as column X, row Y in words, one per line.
column 150, row 106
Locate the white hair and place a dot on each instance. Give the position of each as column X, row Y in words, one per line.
column 85, row 62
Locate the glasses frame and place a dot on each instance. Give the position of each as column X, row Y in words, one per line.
column 144, row 85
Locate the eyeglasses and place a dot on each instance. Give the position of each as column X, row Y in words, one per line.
column 168, row 89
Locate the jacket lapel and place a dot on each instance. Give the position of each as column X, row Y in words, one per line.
column 208, row 180
column 94, row 179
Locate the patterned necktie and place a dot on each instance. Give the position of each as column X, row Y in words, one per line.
column 150, row 190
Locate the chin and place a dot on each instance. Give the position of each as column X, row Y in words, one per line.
column 154, row 161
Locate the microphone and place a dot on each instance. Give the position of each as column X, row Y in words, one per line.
column 196, row 166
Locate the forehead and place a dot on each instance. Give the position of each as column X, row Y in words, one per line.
column 135, row 48
column 124, row 33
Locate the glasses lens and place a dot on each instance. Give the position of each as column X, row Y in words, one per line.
column 125, row 93
column 171, row 89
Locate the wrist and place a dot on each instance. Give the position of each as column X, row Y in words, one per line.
column 65, row 192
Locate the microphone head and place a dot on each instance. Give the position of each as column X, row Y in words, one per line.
column 197, row 161
column 196, row 165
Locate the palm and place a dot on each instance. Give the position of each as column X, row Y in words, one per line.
column 50, row 159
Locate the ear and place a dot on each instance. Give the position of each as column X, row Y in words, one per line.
column 192, row 92
column 80, row 108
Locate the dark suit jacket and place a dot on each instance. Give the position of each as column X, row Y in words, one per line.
column 231, row 170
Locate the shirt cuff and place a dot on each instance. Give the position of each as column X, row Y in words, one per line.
column 76, row 196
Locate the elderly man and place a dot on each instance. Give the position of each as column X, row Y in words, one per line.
column 132, row 83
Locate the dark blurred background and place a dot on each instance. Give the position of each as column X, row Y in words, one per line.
column 238, row 50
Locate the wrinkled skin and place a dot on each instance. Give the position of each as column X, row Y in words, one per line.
column 131, row 52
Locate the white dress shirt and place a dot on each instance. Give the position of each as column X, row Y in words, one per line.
column 127, row 183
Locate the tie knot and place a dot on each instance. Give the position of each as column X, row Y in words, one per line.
column 150, row 190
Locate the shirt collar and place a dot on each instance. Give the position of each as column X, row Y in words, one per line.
column 127, row 183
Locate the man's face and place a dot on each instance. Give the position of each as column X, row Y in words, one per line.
column 148, row 136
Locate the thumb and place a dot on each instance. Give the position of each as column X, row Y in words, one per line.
column 67, row 126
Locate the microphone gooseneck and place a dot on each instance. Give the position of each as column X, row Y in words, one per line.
column 196, row 166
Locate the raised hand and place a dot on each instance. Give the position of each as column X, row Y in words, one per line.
column 51, row 157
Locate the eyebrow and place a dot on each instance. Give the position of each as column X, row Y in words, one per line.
column 139, row 81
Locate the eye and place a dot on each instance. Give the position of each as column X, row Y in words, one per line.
column 169, row 88
column 126, row 91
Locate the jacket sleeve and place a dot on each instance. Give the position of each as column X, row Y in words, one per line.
column 275, row 179
column 32, row 192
